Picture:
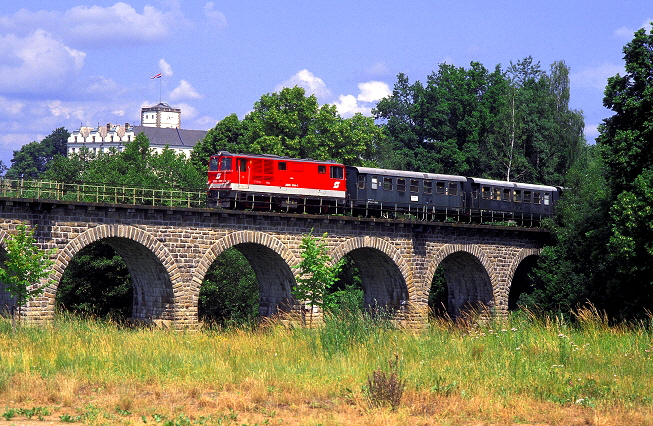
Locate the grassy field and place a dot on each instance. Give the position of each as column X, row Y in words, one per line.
column 518, row 371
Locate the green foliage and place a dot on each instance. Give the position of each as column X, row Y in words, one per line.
column 513, row 125
column 26, row 266
column 96, row 283
column 603, row 252
column 229, row 293
column 292, row 124
column 34, row 158
column 438, row 300
column 137, row 165
column 317, row 274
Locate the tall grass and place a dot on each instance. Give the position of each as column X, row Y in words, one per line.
column 524, row 368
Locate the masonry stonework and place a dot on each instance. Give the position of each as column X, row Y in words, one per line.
column 168, row 251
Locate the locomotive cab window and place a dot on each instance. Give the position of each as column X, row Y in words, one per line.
column 387, row 184
column 428, row 186
column 337, row 172
column 401, row 185
column 213, row 164
column 321, row 169
column 225, row 164
column 242, row 164
column 281, row 165
column 414, row 185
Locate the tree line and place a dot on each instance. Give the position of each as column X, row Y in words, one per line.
column 512, row 124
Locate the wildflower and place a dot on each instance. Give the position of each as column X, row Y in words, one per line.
column 513, row 329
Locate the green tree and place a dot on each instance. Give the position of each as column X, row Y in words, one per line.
column 33, row 159
column 292, row 124
column 316, row 272
column 26, row 267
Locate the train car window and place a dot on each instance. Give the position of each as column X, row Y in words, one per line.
column 506, row 194
column 242, row 165
column 281, row 165
column 401, row 185
column 546, row 199
column 225, row 164
column 516, row 196
column 375, row 182
column 496, row 194
column 485, row 192
column 414, row 185
column 453, row 188
column 439, row 188
column 536, row 198
column 361, row 181
column 213, row 164
column 321, row 169
column 428, row 186
column 337, row 172
column 387, row 184
column 527, row 196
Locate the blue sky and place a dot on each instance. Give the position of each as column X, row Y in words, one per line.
column 68, row 62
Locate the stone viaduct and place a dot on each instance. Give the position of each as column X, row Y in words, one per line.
column 169, row 250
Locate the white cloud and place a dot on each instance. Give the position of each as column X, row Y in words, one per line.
column 370, row 93
column 9, row 107
column 306, row 79
column 165, row 68
column 627, row 33
column 214, row 17
column 184, row 91
column 37, row 64
column 373, row 91
column 596, row 77
column 96, row 26
column 347, row 105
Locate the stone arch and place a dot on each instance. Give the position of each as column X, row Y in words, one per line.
column 520, row 258
column 470, row 277
column 271, row 261
column 155, row 275
column 386, row 275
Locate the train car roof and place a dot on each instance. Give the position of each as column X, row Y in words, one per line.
column 515, row 185
column 407, row 174
column 277, row 157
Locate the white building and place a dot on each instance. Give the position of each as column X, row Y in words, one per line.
column 159, row 123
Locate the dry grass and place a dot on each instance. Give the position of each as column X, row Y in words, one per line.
column 519, row 371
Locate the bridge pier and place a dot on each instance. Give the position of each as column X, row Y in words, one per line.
column 168, row 252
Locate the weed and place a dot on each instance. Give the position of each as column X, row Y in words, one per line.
column 386, row 387
column 9, row 414
column 67, row 418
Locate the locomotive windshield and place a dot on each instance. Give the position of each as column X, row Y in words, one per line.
column 213, row 164
column 225, row 163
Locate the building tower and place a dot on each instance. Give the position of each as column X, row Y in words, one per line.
column 161, row 115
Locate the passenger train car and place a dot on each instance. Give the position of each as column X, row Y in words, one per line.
column 246, row 181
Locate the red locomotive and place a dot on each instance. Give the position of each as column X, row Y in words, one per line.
column 272, row 182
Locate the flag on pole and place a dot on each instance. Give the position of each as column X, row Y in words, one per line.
column 156, row 76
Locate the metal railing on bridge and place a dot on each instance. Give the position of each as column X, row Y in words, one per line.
column 100, row 193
